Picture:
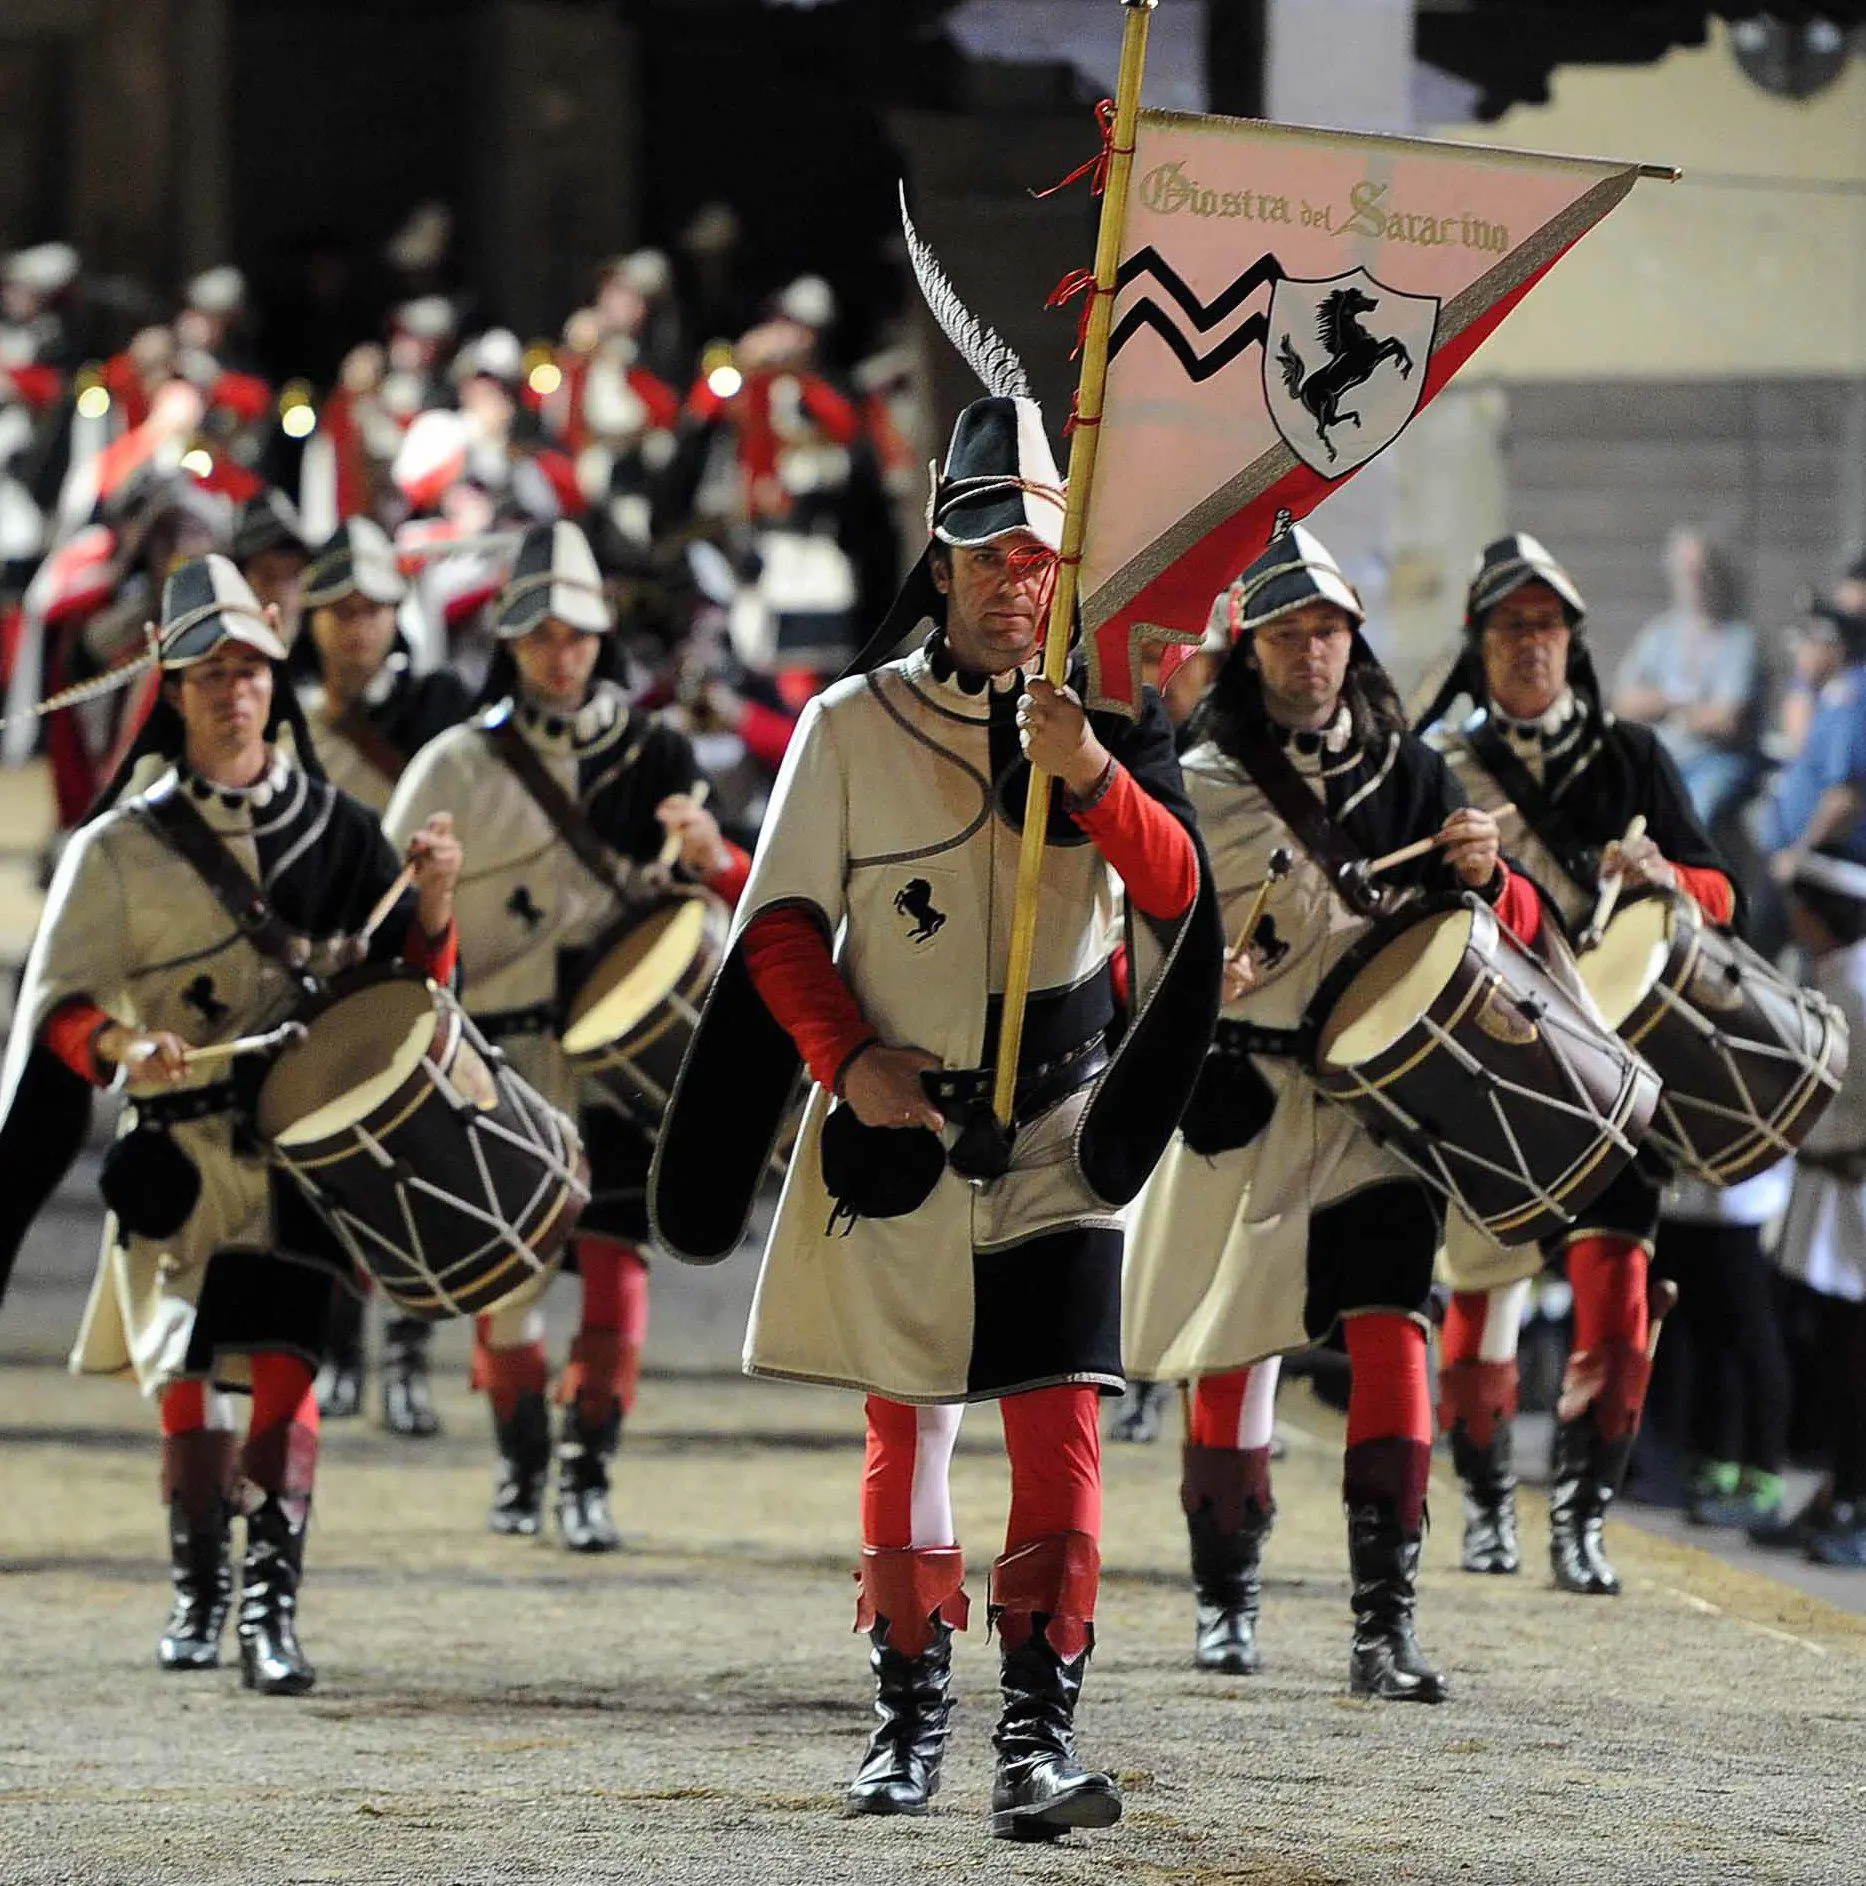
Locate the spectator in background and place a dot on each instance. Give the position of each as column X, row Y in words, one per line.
column 1693, row 675
column 1824, row 1238
column 1819, row 801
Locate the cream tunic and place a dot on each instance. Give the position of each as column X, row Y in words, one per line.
column 885, row 811
column 131, row 926
column 1217, row 1260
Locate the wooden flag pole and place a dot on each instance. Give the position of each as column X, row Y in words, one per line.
column 1082, row 446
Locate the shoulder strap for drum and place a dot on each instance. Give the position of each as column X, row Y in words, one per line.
column 369, row 740
column 1290, row 797
column 199, row 845
column 1538, row 809
column 572, row 823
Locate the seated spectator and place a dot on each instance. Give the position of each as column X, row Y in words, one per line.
column 1819, row 800
column 1693, row 675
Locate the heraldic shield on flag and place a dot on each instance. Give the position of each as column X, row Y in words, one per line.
column 1344, row 366
column 1360, row 270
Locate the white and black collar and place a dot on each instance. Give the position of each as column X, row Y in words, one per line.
column 253, row 798
column 1553, row 732
column 1310, row 744
column 552, row 730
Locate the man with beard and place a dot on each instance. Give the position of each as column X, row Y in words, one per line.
column 915, row 1256
column 1274, row 1220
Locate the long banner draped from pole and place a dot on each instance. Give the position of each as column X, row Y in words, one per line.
column 1287, row 301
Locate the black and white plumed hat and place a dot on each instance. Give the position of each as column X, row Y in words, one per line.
column 1512, row 563
column 554, row 575
column 358, row 557
column 1000, row 473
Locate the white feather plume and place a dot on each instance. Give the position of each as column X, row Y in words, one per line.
column 986, row 352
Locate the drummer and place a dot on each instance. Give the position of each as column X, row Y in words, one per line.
column 1574, row 778
column 531, row 899
column 1274, row 1221
column 369, row 713
column 210, row 1278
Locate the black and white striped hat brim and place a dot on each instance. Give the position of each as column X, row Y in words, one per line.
column 1297, row 569
column 206, row 602
column 1511, row 563
column 357, row 558
column 554, row 576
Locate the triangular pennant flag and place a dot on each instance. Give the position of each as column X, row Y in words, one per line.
column 1288, row 300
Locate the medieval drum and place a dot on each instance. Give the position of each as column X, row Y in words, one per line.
column 1749, row 1061
column 1449, row 1041
column 638, row 1005
column 449, row 1179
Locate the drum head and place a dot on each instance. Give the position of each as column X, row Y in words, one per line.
column 1631, row 958
column 635, row 976
column 358, row 1052
column 1394, row 989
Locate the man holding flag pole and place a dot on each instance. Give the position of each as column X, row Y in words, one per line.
column 931, row 937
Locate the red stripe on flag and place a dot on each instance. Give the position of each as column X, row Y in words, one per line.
column 1180, row 597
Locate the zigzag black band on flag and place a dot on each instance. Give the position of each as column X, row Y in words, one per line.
column 1266, row 271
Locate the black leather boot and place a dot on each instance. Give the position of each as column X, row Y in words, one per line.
column 407, row 1396
column 1225, row 1492
column 1588, row 1471
column 1596, row 1423
column 524, row 1441
column 1477, row 1408
column 912, row 1664
column 196, row 1475
column 270, row 1658
column 340, row 1380
column 1383, row 1558
column 584, row 1451
column 1043, row 1597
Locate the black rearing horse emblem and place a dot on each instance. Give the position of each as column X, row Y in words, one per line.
column 1353, row 355
column 915, row 899
column 199, row 996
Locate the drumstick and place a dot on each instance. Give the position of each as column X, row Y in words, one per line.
column 1609, row 895
column 386, row 903
column 1407, row 853
column 245, row 1044
column 1281, row 862
column 670, row 849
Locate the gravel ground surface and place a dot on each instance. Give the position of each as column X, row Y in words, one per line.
column 687, row 1710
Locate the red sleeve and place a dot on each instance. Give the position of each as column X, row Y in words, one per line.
column 1711, row 890
column 766, row 733
column 788, row 958
column 837, row 417
column 1518, row 907
column 703, row 403
column 434, row 957
column 1121, row 975
column 730, row 882
column 1151, row 850
column 69, row 1032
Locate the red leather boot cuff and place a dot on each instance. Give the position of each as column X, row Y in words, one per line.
column 197, row 1470
column 282, row 1459
column 911, row 1586
column 1232, row 1481
column 1479, row 1395
column 506, row 1376
column 1057, row 1578
column 599, row 1365
column 1612, row 1381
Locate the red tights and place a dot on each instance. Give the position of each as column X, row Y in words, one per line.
column 1608, row 1278
column 281, row 1396
column 1053, row 1437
